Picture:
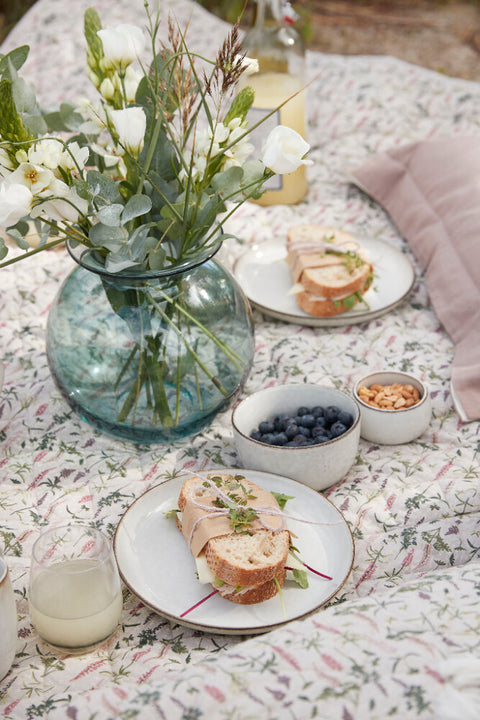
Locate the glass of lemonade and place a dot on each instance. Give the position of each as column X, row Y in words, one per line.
column 75, row 596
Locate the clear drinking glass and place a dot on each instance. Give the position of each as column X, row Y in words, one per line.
column 75, row 596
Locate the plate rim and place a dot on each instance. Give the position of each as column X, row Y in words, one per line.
column 226, row 629
column 345, row 318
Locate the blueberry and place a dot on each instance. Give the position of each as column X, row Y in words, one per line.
column 266, row 427
column 268, row 438
column 302, row 410
column 337, row 429
column 279, row 421
column 318, row 411
column 320, row 422
column 256, row 435
column 291, row 430
column 299, row 440
column 280, row 439
column 307, row 420
column 346, row 418
column 304, row 431
column 331, row 413
column 319, row 439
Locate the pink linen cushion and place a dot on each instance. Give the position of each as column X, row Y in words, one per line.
column 431, row 190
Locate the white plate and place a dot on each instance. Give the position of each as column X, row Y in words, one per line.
column 156, row 564
column 266, row 280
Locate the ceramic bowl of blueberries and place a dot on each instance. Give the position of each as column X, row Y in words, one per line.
column 306, row 432
column 395, row 407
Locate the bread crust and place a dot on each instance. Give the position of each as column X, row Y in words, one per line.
column 322, row 307
column 257, row 594
column 314, row 281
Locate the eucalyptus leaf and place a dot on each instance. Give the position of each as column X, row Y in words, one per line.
column 110, row 238
column 119, row 261
column 36, row 124
column 65, row 118
column 18, row 239
column 137, row 244
column 82, row 188
column 156, row 258
column 3, row 249
column 23, row 96
column 103, row 188
column 137, row 205
column 110, row 215
column 15, row 58
column 228, row 180
column 253, row 172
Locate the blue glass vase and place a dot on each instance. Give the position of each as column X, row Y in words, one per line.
column 151, row 357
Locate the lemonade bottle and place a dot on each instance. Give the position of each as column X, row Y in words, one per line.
column 280, row 52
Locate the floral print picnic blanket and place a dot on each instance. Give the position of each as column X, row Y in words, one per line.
column 401, row 637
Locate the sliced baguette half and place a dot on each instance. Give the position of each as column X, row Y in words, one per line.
column 244, row 566
column 329, row 268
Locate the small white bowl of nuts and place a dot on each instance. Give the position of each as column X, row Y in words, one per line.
column 395, row 407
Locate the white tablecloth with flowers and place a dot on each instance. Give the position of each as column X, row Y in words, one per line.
column 402, row 639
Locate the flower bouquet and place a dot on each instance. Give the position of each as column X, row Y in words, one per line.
column 139, row 184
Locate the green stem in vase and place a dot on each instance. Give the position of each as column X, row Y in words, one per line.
column 231, row 354
column 186, row 343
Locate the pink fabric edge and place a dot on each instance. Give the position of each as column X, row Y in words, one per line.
column 402, row 188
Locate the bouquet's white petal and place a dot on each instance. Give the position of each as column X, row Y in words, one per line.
column 132, row 80
column 74, row 157
column 15, row 203
column 65, row 205
column 285, row 150
column 130, row 126
column 47, row 152
column 249, row 66
column 121, row 45
column 35, row 177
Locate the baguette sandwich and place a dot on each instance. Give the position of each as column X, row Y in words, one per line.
column 330, row 270
column 237, row 534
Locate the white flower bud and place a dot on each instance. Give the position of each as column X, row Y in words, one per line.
column 285, row 150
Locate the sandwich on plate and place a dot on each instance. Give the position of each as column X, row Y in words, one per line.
column 330, row 270
column 237, row 534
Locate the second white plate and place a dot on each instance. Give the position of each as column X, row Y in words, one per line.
column 156, row 564
column 266, row 280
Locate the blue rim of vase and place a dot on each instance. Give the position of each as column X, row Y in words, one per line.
column 85, row 257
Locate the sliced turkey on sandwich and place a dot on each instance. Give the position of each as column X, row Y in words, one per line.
column 330, row 270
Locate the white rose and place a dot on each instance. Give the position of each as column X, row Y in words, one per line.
column 285, row 150
column 121, row 46
column 130, row 126
column 15, row 203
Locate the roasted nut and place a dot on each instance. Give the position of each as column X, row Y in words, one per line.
column 389, row 397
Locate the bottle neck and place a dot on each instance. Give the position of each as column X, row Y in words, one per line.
column 268, row 13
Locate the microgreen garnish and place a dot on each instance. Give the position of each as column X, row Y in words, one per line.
column 300, row 577
column 241, row 519
column 280, row 594
column 282, row 499
column 172, row 513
